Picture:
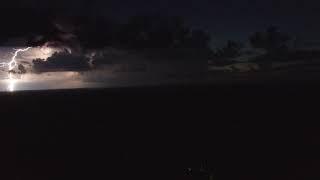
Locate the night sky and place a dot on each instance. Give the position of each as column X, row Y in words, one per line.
column 115, row 145
column 224, row 19
column 234, row 19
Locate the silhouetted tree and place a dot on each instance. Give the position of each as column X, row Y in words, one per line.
column 272, row 40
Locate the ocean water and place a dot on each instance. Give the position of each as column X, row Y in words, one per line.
column 90, row 79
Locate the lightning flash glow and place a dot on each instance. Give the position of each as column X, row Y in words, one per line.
column 11, row 83
column 11, row 66
column 13, row 63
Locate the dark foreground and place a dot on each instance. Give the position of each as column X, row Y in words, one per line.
column 233, row 131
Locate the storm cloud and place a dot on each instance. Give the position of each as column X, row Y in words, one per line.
column 62, row 61
column 84, row 33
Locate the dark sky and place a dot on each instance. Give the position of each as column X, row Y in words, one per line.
column 225, row 19
column 235, row 19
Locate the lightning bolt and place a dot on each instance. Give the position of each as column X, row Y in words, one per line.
column 11, row 65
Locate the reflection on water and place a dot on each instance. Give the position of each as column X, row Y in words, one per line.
column 48, row 81
column 104, row 78
column 11, row 83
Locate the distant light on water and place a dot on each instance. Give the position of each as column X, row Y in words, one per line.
column 11, row 83
column 45, row 81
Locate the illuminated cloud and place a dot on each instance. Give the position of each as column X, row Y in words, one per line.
column 62, row 61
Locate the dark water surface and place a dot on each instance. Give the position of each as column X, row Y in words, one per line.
column 242, row 131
